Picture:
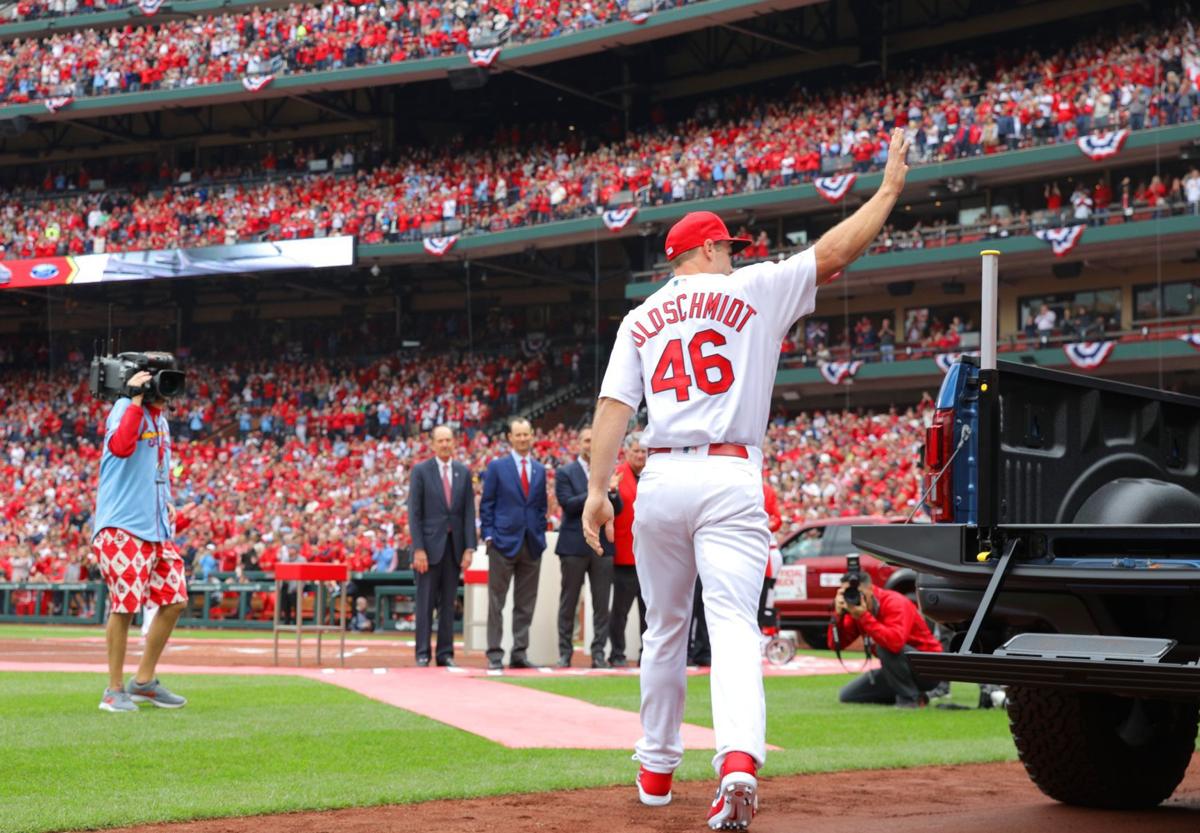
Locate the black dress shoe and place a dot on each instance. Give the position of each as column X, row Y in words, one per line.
column 521, row 663
column 495, row 665
column 447, row 663
column 600, row 662
column 619, row 663
column 422, row 662
column 563, row 662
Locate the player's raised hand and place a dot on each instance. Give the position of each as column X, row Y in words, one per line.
column 597, row 514
column 897, row 162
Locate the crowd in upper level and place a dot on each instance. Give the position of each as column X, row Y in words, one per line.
column 518, row 177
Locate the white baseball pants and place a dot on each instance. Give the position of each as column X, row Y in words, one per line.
column 700, row 514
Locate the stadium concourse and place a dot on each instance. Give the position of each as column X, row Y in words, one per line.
column 982, row 104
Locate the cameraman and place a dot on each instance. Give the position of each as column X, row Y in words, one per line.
column 134, row 528
column 895, row 627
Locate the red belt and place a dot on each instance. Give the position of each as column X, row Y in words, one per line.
column 716, row 450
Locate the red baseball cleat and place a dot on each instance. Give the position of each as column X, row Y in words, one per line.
column 654, row 788
column 737, row 797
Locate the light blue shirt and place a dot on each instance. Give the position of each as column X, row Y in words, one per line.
column 135, row 491
column 517, row 458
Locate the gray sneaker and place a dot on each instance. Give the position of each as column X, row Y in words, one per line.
column 116, row 700
column 156, row 693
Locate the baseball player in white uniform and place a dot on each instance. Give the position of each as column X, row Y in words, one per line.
column 703, row 351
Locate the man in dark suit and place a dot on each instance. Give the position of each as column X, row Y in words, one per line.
column 512, row 518
column 579, row 560
column 441, row 521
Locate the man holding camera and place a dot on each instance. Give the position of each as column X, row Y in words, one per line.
column 892, row 626
column 134, row 527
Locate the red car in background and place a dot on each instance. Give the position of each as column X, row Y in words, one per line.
column 814, row 561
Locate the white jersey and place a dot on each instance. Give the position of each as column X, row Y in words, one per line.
column 704, row 350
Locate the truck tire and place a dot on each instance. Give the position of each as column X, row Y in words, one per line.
column 1099, row 750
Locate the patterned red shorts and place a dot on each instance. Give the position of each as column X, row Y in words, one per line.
column 138, row 571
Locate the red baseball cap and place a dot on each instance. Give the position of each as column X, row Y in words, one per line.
column 695, row 228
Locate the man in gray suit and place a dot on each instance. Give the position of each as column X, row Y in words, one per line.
column 441, row 522
column 579, row 560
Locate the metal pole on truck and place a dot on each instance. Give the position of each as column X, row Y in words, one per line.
column 991, row 303
column 988, row 447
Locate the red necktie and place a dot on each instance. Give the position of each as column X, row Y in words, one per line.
column 446, row 483
column 524, row 477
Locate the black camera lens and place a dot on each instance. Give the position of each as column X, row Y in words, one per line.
column 169, row 383
column 852, row 594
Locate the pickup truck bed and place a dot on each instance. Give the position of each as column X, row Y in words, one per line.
column 1065, row 554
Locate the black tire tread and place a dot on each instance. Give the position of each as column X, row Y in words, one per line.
column 1075, row 758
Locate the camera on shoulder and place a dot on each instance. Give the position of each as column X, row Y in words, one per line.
column 110, row 375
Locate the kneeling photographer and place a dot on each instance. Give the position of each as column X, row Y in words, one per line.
column 891, row 626
column 135, row 519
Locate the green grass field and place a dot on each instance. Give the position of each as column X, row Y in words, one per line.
column 267, row 744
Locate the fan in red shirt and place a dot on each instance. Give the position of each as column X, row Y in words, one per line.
column 892, row 626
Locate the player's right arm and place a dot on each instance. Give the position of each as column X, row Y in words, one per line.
column 620, row 395
column 608, row 430
column 844, row 243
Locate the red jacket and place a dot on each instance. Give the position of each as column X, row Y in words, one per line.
column 896, row 623
column 771, row 504
column 623, row 523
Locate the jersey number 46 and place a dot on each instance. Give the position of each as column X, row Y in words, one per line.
column 671, row 374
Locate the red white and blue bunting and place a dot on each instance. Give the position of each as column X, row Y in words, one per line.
column 255, row 83
column 483, row 57
column 833, row 188
column 616, row 219
column 58, row 102
column 1103, row 145
column 150, row 7
column 1087, row 355
column 438, row 246
column 533, row 344
column 945, row 361
column 1062, row 239
column 1192, row 339
column 837, row 372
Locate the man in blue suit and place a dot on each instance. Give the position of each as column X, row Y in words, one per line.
column 512, row 518
column 579, row 560
column 441, row 522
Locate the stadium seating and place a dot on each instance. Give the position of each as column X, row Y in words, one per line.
column 515, row 178
column 336, row 490
column 302, row 37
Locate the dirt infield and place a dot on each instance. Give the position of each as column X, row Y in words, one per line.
column 988, row 797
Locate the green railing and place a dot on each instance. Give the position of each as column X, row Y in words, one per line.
column 84, row 595
column 965, row 252
column 801, row 198
column 203, row 597
column 1167, row 348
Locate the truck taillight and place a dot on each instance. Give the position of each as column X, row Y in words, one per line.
column 939, row 445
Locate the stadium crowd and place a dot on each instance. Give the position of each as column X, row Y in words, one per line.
column 519, row 177
column 301, row 37
column 257, row 486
